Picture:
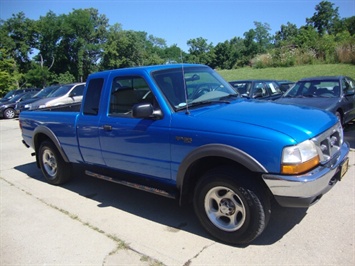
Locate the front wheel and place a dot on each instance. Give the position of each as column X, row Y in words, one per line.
column 55, row 170
column 230, row 206
column 9, row 113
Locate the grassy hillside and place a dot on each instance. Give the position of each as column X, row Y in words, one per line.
column 289, row 73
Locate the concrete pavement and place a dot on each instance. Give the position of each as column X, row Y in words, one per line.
column 94, row 222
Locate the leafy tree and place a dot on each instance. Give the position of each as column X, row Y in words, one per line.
column 251, row 47
column 325, row 18
column 262, row 36
column 349, row 24
column 49, row 37
column 83, row 33
column 286, row 34
column 37, row 76
column 200, row 51
column 17, row 36
column 228, row 53
column 122, row 49
column 64, row 78
column 307, row 38
column 9, row 76
column 173, row 54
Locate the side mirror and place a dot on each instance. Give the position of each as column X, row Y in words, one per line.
column 145, row 110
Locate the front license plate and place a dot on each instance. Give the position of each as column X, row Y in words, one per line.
column 344, row 168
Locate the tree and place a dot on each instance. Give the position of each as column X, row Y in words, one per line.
column 286, row 34
column 38, row 76
column 9, row 76
column 17, row 36
column 307, row 38
column 349, row 24
column 79, row 50
column 173, row 54
column 325, row 18
column 262, row 36
column 48, row 39
column 200, row 51
column 122, row 49
column 228, row 53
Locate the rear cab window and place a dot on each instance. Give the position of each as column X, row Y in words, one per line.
column 92, row 97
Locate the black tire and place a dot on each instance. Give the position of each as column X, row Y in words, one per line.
column 55, row 170
column 9, row 113
column 231, row 206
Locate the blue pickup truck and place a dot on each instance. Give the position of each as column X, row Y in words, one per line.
column 182, row 132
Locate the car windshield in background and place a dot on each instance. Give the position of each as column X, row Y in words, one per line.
column 192, row 86
column 61, row 91
column 242, row 87
column 15, row 98
column 45, row 92
column 315, row 88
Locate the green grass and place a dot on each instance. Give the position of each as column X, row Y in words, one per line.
column 289, row 73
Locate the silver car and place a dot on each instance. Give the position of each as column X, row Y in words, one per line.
column 66, row 94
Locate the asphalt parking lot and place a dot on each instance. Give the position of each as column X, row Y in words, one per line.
column 94, row 222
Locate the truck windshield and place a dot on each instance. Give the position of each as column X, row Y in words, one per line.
column 192, row 85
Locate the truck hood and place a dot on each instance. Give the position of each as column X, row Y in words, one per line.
column 297, row 122
column 321, row 103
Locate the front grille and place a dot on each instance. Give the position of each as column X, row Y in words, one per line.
column 329, row 142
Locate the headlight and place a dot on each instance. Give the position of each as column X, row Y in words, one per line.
column 300, row 158
column 27, row 106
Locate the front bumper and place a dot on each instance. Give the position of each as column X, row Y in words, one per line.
column 304, row 190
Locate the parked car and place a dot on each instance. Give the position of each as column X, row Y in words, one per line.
column 284, row 85
column 25, row 105
column 65, row 94
column 257, row 89
column 13, row 93
column 332, row 93
column 7, row 109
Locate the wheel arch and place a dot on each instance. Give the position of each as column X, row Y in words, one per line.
column 207, row 157
column 43, row 133
column 341, row 113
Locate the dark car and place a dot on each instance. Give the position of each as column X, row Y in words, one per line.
column 25, row 105
column 333, row 93
column 13, row 93
column 257, row 89
column 7, row 109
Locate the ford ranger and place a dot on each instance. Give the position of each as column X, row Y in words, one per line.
column 182, row 132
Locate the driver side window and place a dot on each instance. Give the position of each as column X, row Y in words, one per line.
column 126, row 92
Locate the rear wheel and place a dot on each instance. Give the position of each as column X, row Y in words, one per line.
column 230, row 206
column 55, row 170
column 9, row 113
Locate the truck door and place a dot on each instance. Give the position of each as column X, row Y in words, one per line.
column 131, row 144
column 88, row 124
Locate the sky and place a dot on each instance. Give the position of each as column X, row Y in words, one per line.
column 177, row 21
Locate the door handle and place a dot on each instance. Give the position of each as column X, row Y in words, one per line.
column 107, row 127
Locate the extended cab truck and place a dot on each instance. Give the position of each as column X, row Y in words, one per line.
column 181, row 131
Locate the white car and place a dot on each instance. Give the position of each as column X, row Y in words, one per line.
column 66, row 94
